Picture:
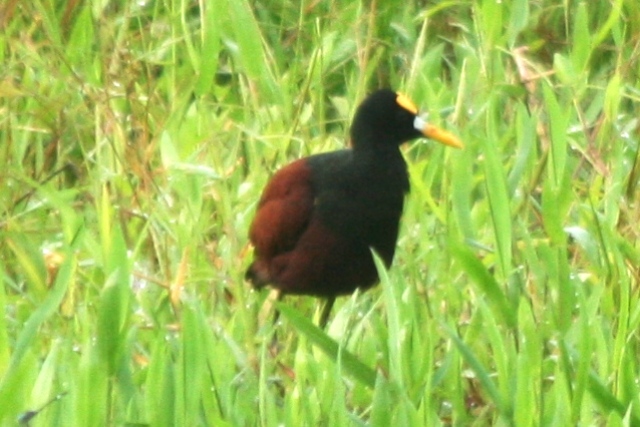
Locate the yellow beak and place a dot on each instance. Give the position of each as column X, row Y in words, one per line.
column 437, row 134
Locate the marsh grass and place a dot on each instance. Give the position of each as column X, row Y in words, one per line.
column 136, row 139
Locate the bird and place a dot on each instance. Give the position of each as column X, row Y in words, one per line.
column 320, row 217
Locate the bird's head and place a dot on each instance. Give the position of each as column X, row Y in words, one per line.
column 386, row 117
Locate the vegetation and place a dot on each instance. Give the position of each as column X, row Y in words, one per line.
column 137, row 136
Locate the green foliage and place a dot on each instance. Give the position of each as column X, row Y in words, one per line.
column 137, row 136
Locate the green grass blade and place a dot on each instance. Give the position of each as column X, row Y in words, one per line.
column 496, row 188
column 606, row 399
column 29, row 334
column 486, row 282
column 348, row 361
column 480, row 371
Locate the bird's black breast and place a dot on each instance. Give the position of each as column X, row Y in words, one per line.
column 360, row 196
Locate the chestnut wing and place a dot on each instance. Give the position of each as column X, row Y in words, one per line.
column 284, row 210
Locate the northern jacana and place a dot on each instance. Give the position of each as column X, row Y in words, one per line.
column 319, row 217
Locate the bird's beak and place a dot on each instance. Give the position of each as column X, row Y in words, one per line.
column 435, row 133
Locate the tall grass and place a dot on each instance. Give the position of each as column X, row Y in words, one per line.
column 137, row 136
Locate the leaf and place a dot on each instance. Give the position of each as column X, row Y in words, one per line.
column 29, row 332
column 487, row 283
column 481, row 372
column 519, row 18
column 349, row 362
column 496, row 187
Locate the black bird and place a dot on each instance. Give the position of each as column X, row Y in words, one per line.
column 319, row 217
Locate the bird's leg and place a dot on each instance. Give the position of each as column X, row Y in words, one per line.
column 265, row 311
column 274, row 347
column 268, row 307
column 326, row 311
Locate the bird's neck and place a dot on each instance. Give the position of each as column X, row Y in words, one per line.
column 366, row 138
column 375, row 148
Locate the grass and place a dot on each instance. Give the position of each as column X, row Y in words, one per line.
column 137, row 136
